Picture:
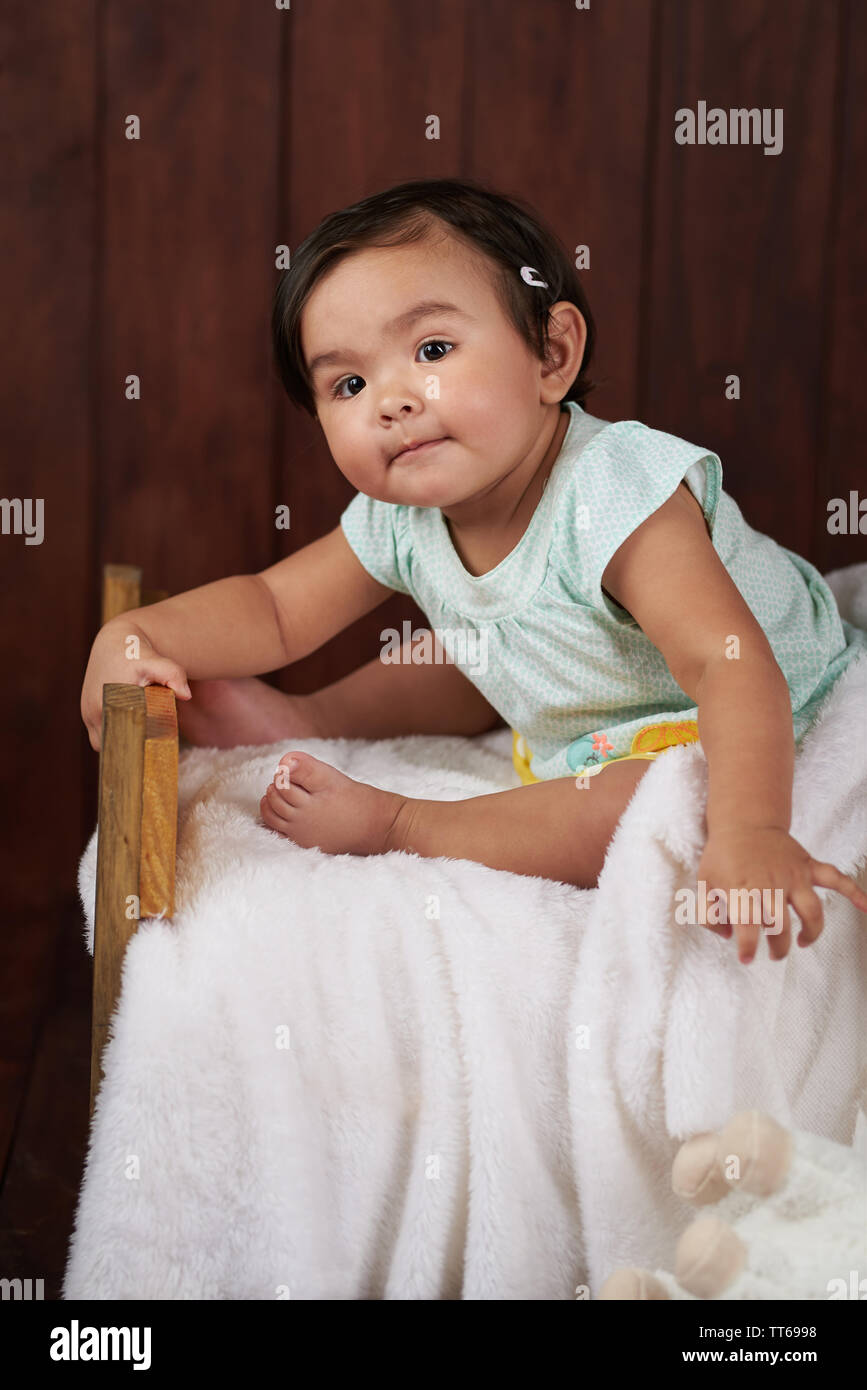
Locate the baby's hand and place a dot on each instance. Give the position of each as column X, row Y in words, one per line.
column 122, row 654
column 768, row 860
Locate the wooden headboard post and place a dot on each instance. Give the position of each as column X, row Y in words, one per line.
column 138, row 810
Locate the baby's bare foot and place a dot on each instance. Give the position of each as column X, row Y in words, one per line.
column 313, row 804
column 245, row 710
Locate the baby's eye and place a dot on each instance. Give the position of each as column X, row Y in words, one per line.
column 337, row 392
column 435, row 342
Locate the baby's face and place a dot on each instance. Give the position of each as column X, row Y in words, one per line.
column 463, row 376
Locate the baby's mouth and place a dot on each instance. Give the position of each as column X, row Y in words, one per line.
column 420, row 450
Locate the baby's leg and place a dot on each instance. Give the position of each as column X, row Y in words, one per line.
column 557, row 830
column 243, row 710
column 386, row 700
column 378, row 700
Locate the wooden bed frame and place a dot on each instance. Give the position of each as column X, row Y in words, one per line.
column 137, row 815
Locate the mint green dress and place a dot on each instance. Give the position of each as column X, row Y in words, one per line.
column 566, row 666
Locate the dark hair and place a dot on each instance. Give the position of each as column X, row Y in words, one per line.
column 504, row 229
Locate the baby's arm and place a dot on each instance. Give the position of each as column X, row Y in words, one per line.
column 228, row 627
column 668, row 575
column 249, row 624
column 241, row 626
column 252, row 623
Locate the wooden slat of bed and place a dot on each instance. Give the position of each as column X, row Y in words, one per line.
column 138, row 809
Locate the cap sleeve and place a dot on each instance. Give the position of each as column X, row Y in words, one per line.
column 377, row 533
column 620, row 478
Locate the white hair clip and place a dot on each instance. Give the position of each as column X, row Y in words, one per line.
column 527, row 275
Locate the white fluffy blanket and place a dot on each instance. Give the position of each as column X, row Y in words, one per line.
column 398, row 1078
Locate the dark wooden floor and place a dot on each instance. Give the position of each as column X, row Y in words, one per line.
column 44, row 1091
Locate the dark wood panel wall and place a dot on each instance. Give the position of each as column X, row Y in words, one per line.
column 155, row 258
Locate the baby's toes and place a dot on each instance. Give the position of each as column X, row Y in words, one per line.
column 289, row 781
column 295, row 769
column 302, row 770
column 275, row 809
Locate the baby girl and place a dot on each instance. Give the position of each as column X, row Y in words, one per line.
column 622, row 604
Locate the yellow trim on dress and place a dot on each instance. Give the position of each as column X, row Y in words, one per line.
column 648, row 743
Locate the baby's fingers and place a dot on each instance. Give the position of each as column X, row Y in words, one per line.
column 162, row 671
column 829, row 876
column 747, row 941
column 808, row 906
column 723, row 929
